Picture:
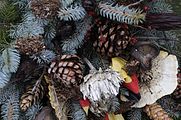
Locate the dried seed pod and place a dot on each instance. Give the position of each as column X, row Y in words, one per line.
column 99, row 87
column 30, row 45
column 45, row 8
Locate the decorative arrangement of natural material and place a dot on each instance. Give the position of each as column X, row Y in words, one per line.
column 89, row 60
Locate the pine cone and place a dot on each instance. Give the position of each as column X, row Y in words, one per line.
column 112, row 39
column 45, row 8
column 30, row 45
column 67, row 69
column 156, row 112
column 177, row 92
column 32, row 96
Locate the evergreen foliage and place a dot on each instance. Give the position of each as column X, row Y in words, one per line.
column 160, row 6
column 45, row 56
column 10, row 109
column 121, row 13
column 4, row 79
column 8, row 13
column 33, row 111
column 66, row 3
column 134, row 114
column 76, row 111
column 11, row 58
column 31, row 26
column 74, row 12
column 20, row 71
column 6, row 92
column 76, row 40
column 21, row 3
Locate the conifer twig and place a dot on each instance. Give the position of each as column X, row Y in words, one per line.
column 39, row 80
column 89, row 64
column 136, row 3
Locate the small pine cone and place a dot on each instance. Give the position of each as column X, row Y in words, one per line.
column 30, row 45
column 177, row 92
column 112, row 39
column 67, row 69
column 32, row 96
column 156, row 112
column 45, row 8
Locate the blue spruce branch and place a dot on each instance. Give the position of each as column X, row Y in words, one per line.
column 50, row 33
column 31, row 26
column 160, row 6
column 11, row 58
column 76, row 40
column 134, row 114
column 45, row 56
column 10, row 109
column 76, row 111
column 4, row 78
column 21, row 3
column 10, row 63
column 121, row 13
column 66, row 3
column 74, row 12
column 6, row 92
column 33, row 111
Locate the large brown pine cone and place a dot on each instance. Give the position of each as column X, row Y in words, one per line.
column 67, row 69
column 112, row 38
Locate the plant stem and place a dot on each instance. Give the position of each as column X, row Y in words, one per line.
column 89, row 64
column 136, row 3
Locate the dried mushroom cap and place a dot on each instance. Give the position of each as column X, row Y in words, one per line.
column 144, row 52
column 163, row 79
column 147, row 47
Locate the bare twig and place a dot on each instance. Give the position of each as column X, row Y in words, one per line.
column 89, row 64
column 39, row 80
column 136, row 3
column 155, row 38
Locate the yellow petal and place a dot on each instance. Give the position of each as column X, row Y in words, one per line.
column 163, row 54
column 86, row 109
column 119, row 61
column 115, row 117
column 118, row 65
